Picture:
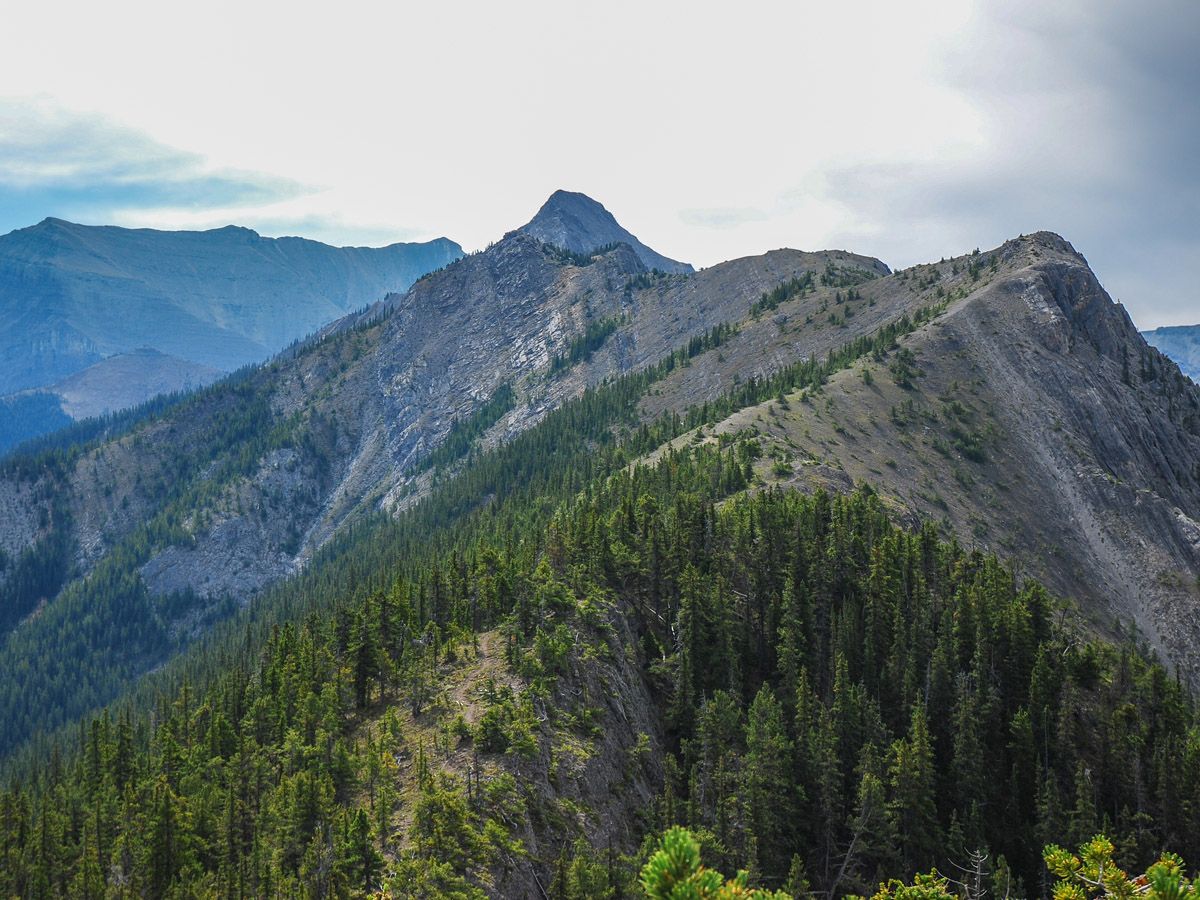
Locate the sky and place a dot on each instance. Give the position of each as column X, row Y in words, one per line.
column 907, row 131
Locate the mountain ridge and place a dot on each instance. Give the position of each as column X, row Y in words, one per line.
column 1029, row 418
column 334, row 432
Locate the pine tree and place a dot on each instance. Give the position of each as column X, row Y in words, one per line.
column 164, row 841
column 825, row 766
column 913, row 796
column 767, row 785
column 1083, row 822
column 972, row 786
column 872, row 850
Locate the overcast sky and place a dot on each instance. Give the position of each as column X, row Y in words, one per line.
column 908, row 131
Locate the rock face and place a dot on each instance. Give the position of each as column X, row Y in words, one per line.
column 1181, row 343
column 72, row 295
column 578, row 223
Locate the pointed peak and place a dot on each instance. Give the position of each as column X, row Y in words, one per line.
column 576, row 222
column 50, row 230
column 573, row 201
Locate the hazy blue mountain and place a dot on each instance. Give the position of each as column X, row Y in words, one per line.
column 126, row 380
column 117, row 383
column 578, row 223
column 72, row 295
column 29, row 414
column 1181, row 343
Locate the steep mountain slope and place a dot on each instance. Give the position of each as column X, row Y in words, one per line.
column 71, row 295
column 1181, row 343
column 1028, row 418
column 194, row 512
column 578, row 223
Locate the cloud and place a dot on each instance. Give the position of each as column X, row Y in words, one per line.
column 722, row 216
column 1090, row 129
column 83, row 166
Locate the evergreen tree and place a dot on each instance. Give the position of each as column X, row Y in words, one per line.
column 767, row 786
column 913, row 804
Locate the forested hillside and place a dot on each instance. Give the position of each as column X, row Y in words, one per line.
column 827, row 699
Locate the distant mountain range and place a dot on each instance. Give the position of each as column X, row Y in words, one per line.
column 74, row 295
column 118, row 382
column 1181, row 343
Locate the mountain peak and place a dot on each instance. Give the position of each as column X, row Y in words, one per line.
column 50, row 224
column 562, row 199
column 576, row 222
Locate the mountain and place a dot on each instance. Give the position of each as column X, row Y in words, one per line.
column 202, row 508
column 476, row 589
column 1027, row 418
column 259, row 476
column 1181, row 343
column 72, row 295
column 119, row 382
column 127, row 379
column 578, row 223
